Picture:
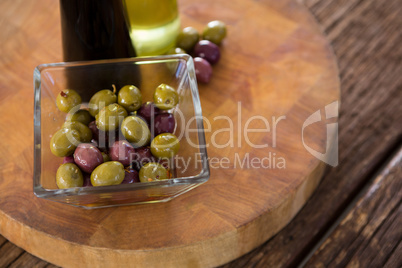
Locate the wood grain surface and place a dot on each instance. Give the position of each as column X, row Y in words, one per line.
column 366, row 41
column 283, row 68
column 365, row 38
column 370, row 233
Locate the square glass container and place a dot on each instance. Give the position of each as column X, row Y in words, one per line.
column 89, row 77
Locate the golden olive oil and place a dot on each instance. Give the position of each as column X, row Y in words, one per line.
column 153, row 25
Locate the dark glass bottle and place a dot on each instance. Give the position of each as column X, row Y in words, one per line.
column 94, row 29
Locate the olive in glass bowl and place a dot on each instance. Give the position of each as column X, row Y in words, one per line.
column 146, row 73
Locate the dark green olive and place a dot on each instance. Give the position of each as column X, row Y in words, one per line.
column 165, row 145
column 187, row 38
column 108, row 173
column 69, row 175
column 82, row 116
column 67, row 100
column 110, row 117
column 85, row 134
column 105, row 157
column 215, row 32
column 64, row 142
column 153, row 172
column 130, row 98
column 101, row 99
column 165, row 97
column 136, row 131
column 172, row 66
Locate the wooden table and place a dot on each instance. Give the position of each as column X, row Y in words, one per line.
column 354, row 215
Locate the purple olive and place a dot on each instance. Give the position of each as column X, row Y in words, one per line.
column 131, row 176
column 164, row 123
column 87, row 157
column 207, row 50
column 123, row 152
column 143, row 156
column 99, row 136
column 95, row 131
column 147, row 111
column 68, row 159
column 87, row 180
column 203, row 70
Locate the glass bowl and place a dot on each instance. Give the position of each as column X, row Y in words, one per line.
column 89, row 77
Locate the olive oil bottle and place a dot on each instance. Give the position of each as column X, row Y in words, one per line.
column 153, row 25
column 94, row 29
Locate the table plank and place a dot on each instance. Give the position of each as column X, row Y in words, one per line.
column 366, row 41
column 9, row 253
column 28, row 260
column 371, row 231
column 395, row 259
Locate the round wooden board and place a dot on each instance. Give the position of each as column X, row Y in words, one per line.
column 276, row 70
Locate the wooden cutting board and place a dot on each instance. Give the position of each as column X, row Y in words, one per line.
column 276, row 70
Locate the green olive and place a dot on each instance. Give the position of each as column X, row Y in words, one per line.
column 172, row 66
column 85, row 134
column 69, row 175
column 165, row 145
column 153, row 172
column 64, row 142
column 105, row 157
column 108, row 173
column 136, row 131
column 101, row 99
column 110, row 117
column 187, row 38
column 165, row 97
column 67, row 99
column 82, row 116
column 215, row 32
column 130, row 98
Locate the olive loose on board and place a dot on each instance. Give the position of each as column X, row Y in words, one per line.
column 187, row 38
column 67, row 99
column 165, row 145
column 130, row 98
column 101, row 99
column 153, row 172
column 215, row 32
column 108, row 173
column 165, row 97
column 207, row 50
column 203, row 70
column 69, row 175
column 110, row 117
